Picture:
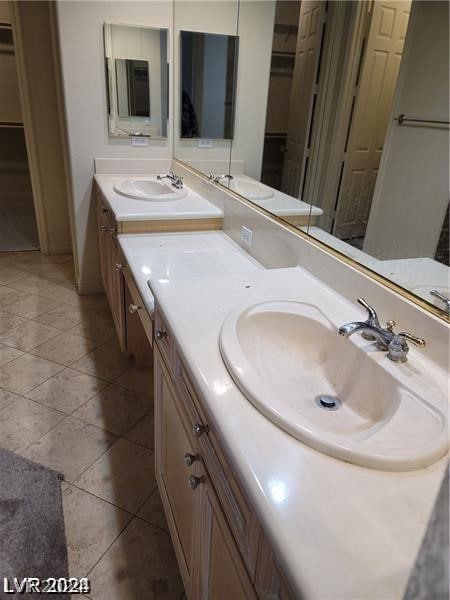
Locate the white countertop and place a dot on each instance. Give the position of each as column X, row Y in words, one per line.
column 419, row 275
column 187, row 254
column 339, row 531
column 192, row 206
column 281, row 204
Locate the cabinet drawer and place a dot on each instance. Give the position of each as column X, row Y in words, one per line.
column 105, row 217
column 241, row 519
column 163, row 339
column 137, row 304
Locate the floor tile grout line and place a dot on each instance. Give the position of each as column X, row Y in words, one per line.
column 103, row 554
column 74, row 485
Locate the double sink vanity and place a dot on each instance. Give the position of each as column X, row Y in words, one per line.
column 291, row 461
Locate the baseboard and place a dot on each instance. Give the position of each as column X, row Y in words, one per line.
column 59, row 247
column 90, row 286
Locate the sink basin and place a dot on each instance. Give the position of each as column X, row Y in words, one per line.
column 250, row 189
column 289, row 361
column 149, row 189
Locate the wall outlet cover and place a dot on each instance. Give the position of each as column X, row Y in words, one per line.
column 139, row 140
column 204, row 143
column 246, row 236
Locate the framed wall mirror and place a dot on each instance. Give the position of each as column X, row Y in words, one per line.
column 136, row 69
column 348, row 115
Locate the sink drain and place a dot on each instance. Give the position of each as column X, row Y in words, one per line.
column 328, row 402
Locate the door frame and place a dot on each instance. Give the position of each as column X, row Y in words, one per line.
column 37, row 170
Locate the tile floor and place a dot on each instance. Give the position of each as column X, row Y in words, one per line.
column 70, row 400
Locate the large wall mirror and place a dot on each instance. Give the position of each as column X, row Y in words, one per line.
column 136, row 71
column 346, row 111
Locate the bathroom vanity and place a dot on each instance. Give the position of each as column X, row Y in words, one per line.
column 248, row 504
column 291, row 462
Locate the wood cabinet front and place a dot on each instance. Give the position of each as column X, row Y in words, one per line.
column 221, row 550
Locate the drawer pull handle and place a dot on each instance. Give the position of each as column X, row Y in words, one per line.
column 160, row 335
column 199, row 429
column 112, row 230
column 194, row 481
column 118, row 267
column 133, row 308
column 190, row 459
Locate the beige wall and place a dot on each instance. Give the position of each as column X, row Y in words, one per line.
column 35, row 52
column 80, row 26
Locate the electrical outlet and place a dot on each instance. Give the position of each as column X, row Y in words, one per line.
column 139, row 140
column 204, row 143
column 246, row 236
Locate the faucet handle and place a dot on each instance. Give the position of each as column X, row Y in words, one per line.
column 412, row 338
column 398, row 347
column 443, row 298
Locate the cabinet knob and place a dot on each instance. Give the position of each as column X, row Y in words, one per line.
column 160, row 335
column 132, row 308
column 190, row 459
column 199, row 429
column 194, row 481
column 103, row 228
column 118, row 267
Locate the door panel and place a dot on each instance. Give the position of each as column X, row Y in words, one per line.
column 312, row 15
column 374, row 96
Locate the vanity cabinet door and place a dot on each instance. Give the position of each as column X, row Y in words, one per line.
column 221, row 574
column 172, row 442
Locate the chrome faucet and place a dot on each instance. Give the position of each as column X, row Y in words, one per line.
column 394, row 343
column 217, row 178
column 176, row 180
column 443, row 299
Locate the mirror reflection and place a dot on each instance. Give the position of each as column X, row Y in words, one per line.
column 208, row 63
column 347, row 108
column 136, row 71
column 133, row 88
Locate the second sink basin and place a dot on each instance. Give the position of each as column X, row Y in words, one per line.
column 289, row 361
column 149, row 189
column 250, row 189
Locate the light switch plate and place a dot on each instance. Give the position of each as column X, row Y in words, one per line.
column 246, row 236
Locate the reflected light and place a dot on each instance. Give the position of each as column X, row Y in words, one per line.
column 146, row 270
column 220, row 387
column 278, row 490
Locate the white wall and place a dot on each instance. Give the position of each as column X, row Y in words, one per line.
column 253, row 21
column 411, row 193
column 80, row 27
